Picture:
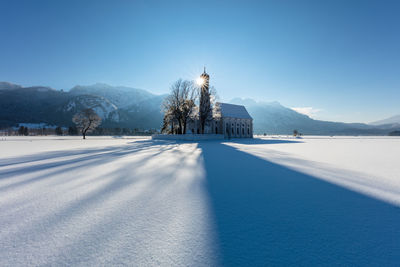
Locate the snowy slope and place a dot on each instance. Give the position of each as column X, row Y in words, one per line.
column 102, row 106
column 271, row 201
column 118, row 106
column 122, row 97
column 273, row 118
column 391, row 120
column 9, row 86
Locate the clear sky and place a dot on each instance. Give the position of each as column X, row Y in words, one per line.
column 339, row 60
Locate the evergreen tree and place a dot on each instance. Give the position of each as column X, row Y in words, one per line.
column 59, row 131
column 21, row 130
column 72, row 130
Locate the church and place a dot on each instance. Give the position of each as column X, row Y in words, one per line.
column 233, row 121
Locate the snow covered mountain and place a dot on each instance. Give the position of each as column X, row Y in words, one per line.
column 135, row 108
column 394, row 121
column 118, row 106
column 9, row 86
column 122, row 97
column 273, row 118
column 101, row 105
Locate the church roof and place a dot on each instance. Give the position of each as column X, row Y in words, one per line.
column 234, row 111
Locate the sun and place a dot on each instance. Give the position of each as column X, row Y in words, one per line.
column 200, row 81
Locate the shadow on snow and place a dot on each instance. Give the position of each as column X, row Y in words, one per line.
column 264, row 213
column 267, row 214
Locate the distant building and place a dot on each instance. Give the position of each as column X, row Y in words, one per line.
column 233, row 121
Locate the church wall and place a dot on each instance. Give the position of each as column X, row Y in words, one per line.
column 229, row 127
column 237, row 128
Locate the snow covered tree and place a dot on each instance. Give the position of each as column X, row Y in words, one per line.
column 188, row 104
column 178, row 107
column 86, row 121
column 169, row 120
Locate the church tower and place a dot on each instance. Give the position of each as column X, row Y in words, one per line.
column 206, row 81
column 205, row 112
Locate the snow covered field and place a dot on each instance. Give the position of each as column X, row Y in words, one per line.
column 140, row 202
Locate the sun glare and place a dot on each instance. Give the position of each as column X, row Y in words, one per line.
column 200, row 81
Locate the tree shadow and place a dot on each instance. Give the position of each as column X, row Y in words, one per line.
column 245, row 141
column 268, row 214
column 259, row 141
column 79, row 158
column 7, row 162
column 118, row 215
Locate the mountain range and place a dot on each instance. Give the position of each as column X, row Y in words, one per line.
column 394, row 120
column 117, row 106
column 121, row 107
column 273, row 118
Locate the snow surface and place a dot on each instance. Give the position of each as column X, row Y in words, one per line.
column 234, row 111
column 255, row 202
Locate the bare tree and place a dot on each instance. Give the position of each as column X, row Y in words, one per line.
column 171, row 109
column 86, row 121
column 169, row 121
column 178, row 106
column 188, row 95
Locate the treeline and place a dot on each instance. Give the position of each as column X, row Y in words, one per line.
column 123, row 131
column 72, row 131
column 394, row 133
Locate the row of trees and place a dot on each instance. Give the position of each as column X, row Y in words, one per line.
column 73, row 130
column 25, row 131
column 86, row 121
column 182, row 105
column 22, row 130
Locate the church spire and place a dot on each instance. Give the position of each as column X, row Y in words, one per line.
column 205, row 75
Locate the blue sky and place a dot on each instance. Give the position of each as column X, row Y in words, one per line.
column 339, row 60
